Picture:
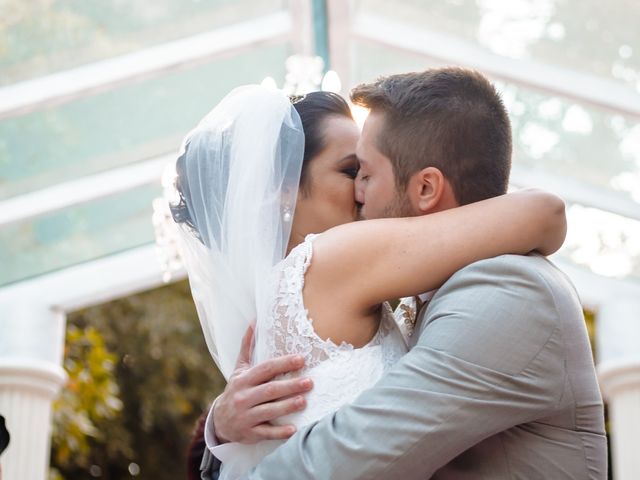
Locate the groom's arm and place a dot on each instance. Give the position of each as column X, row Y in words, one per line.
column 488, row 358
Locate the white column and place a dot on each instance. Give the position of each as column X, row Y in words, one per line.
column 618, row 347
column 31, row 349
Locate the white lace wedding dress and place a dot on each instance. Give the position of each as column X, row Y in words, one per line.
column 339, row 372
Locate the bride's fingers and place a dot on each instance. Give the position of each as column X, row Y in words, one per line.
column 278, row 389
column 265, row 371
column 267, row 431
column 272, row 410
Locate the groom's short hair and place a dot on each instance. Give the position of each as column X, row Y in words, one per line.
column 449, row 118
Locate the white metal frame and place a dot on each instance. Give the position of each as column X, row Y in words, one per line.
column 583, row 87
column 92, row 283
column 56, row 89
column 82, row 190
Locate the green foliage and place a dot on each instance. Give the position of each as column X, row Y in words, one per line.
column 90, row 396
column 140, row 375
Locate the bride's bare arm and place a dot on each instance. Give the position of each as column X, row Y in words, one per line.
column 364, row 263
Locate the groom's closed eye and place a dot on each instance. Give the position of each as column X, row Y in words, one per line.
column 363, row 176
column 363, row 173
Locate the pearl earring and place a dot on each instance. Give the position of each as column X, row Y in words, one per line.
column 286, row 216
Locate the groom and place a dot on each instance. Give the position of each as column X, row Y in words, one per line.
column 499, row 382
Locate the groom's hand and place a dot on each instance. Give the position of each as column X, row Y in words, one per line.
column 252, row 398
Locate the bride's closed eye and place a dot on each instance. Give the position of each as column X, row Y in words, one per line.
column 351, row 172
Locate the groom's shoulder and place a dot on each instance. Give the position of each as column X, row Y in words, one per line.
column 505, row 266
column 510, row 303
column 531, row 272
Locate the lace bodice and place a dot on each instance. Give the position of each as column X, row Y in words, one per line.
column 339, row 372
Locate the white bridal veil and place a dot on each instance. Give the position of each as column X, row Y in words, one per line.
column 233, row 199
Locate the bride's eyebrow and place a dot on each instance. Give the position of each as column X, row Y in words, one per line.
column 349, row 159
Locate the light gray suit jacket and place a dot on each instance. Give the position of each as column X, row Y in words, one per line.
column 500, row 384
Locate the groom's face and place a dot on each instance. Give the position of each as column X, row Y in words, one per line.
column 376, row 187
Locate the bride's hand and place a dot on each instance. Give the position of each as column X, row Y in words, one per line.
column 252, row 398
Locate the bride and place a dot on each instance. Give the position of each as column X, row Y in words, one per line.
column 250, row 196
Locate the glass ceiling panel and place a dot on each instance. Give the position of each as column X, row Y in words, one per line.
column 369, row 61
column 574, row 140
column 590, row 35
column 603, row 242
column 39, row 38
column 122, row 126
column 77, row 234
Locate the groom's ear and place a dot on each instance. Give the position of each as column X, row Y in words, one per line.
column 430, row 186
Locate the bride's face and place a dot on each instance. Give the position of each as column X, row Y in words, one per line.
column 328, row 198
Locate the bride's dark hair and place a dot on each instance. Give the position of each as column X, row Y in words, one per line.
column 314, row 109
